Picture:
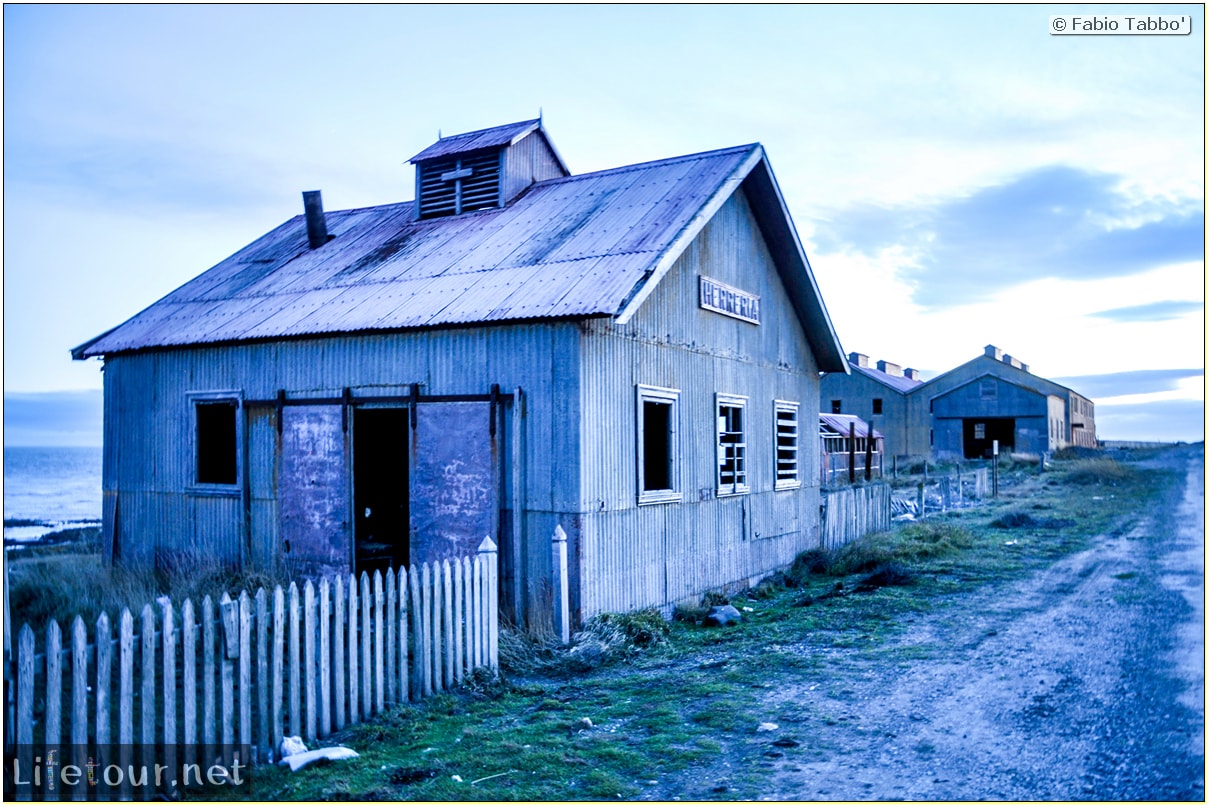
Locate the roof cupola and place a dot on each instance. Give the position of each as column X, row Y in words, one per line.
column 483, row 170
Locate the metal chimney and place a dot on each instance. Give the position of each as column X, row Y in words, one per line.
column 316, row 223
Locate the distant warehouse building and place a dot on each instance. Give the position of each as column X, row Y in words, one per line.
column 963, row 412
column 633, row 355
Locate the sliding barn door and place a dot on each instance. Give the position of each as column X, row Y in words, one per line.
column 313, row 490
column 454, row 480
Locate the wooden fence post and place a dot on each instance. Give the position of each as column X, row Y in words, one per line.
column 367, row 696
column 245, row 669
column 295, row 656
column 54, row 687
column 447, row 611
column 426, row 626
column 488, row 555
column 417, row 634
column 148, row 681
column 308, row 660
column 325, row 658
column 392, row 617
column 404, row 662
column 562, row 598
column 263, row 751
column 379, row 630
column 278, row 668
column 338, row 645
column 104, row 680
column 354, row 675
column 25, row 699
column 209, row 719
column 459, row 623
column 188, row 680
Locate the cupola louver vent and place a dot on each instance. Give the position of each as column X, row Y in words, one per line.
column 459, row 183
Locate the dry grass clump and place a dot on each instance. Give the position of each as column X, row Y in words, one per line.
column 63, row 586
column 1098, row 471
column 605, row 639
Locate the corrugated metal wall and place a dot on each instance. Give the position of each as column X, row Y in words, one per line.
column 149, row 421
column 654, row 555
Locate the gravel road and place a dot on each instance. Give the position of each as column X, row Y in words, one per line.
column 1082, row 682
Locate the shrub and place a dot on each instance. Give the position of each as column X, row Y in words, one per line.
column 885, row 576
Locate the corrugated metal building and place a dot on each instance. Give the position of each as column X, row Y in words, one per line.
column 994, row 397
column 962, row 412
column 628, row 354
column 876, row 394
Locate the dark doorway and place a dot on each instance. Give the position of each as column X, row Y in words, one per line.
column 979, row 434
column 380, row 494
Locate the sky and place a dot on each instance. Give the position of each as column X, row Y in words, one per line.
column 958, row 175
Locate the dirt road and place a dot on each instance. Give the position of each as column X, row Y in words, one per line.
column 1082, row 682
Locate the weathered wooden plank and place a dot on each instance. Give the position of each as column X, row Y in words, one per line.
column 310, row 636
column 278, row 668
column 354, row 677
column 245, row 669
column 125, row 697
column 25, row 686
column 104, row 679
column 79, row 696
column 476, row 609
column 367, row 668
column 417, row 635
column 147, row 734
column 325, row 658
column 438, row 639
column 188, row 681
column 209, row 710
column 340, row 647
column 468, row 611
column 392, row 617
column 54, row 686
column 426, row 627
column 379, row 630
column 125, row 678
column 226, row 684
column 404, row 665
column 263, row 735
column 25, row 698
column 459, row 626
column 168, row 683
column 447, row 612
column 295, row 661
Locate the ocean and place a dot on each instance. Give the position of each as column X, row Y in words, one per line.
column 47, row 489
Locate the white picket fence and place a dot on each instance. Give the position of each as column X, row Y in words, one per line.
column 248, row 671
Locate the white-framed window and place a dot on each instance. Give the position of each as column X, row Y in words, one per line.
column 658, row 445
column 787, row 433
column 732, row 444
column 216, row 442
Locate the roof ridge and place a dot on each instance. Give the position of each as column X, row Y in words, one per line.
column 651, row 163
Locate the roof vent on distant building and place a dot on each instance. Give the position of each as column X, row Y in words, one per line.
column 991, row 351
column 858, row 359
column 483, row 170
column 316, row 222
column 913, row 374
column 888, row 368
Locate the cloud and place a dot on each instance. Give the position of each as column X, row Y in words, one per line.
column 1151, row 312
column 1055, row 221
column 1134, row 382
column 1165, row 421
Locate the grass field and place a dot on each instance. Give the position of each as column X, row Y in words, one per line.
column 636, row 703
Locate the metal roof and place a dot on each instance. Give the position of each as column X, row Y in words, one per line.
column 899, row 383
column 483, row 138
column 838, row 424
column 572, row 247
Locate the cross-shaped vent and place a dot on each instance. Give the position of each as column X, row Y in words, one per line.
column 459, row 184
